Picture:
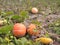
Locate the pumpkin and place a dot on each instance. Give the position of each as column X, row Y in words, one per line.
column 32, row 30
column 34, row 10
column 45, row 40
column 19, row 30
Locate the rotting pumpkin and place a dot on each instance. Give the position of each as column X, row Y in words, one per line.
column 32, row 30
column 45, row 40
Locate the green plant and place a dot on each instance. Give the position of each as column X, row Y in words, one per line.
column 5, row 29
column 24, row 14
column 36, row 22
column 20, row 18
column 5, row 13
column 16, row 18
column 24, row 41
column 55, row 26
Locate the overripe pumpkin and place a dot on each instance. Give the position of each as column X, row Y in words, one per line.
column 45, row 40
column 32, row 30
column 19, row 30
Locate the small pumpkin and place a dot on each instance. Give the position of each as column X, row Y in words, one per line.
column 45, row 40
column 34, row 10
column 19, row 30
column 32, row 30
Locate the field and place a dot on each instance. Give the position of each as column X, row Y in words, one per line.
column 47, row 21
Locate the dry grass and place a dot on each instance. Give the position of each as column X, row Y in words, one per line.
column 18, row 5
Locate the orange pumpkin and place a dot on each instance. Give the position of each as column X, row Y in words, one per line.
column 32, row 30
column 19, row 30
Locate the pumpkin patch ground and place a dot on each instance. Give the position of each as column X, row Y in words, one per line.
column 29, row 22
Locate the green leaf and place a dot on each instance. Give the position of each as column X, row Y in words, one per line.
column 9, row 13
column 37, row 43
column 58, row 32
column 11, row 43
column 1, row 40
column 47, row 35
column 17, row 18
column 24, row 14
column 6, row 28
column 23, row 41
column 4, row 14
column 36, row 22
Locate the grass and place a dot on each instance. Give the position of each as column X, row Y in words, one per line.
column 18, row 5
